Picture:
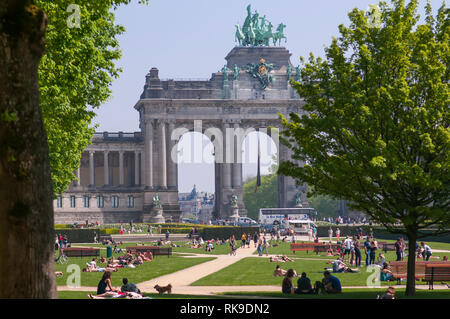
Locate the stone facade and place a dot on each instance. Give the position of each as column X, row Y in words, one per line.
column 225, row 108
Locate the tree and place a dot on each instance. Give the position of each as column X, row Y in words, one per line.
column 264, row 197
column 26, row 212
column 74, row 75
column 376, row 129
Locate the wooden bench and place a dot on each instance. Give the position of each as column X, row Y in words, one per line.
column 386, row 247
column 82, row 252
column 316, row 247
column 400, row 269
column 155, row 250
column 439, row 271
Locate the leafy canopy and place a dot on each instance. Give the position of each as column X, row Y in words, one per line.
column 376, row 127
column 75, row 76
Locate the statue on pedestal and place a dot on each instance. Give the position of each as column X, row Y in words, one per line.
column 234, row 207
column 157, row 208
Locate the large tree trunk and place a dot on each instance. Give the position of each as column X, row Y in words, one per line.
column 26, row 212
column 411, row 278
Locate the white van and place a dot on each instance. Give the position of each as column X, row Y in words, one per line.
column 300, row 226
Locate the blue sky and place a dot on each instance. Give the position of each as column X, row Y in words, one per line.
column 190, row 39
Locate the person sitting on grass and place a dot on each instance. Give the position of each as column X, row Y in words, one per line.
column 381, row 259
column 332, row 285
column 102, row 260
column 129, row 287
column 340, row 266
column 279, row 272
column 209, row 246
column 104, row 288
column 386, row 273
column 304, row 285
column 390, row 294
column 287, row 287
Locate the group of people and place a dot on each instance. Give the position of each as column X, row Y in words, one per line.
column 329, row 284
column 105, row 289
column 112, row 265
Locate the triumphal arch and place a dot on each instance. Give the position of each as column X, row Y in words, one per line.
column 120, row 173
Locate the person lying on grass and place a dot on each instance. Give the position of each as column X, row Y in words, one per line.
column 280, row 259
column 340, row 266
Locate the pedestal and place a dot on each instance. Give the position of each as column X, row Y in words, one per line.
column 235, row 216
column 158, row 217
column 155, row 216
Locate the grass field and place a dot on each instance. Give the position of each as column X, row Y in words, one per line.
column 161, row 265
column 349, row 294
column 259, row 271
column 84, row 295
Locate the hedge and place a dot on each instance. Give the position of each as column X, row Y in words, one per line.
column 79, row 235
column 225, row 232
column 378, row 232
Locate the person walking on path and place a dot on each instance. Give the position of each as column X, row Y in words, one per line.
column 243, row 240
column 260, row 243
column 265, row 245
column 330, row 233
column 167, row 235
column 338, row 234
column 255, row 238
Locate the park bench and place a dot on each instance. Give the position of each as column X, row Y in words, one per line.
column 316, row 247
column 82, row 252
column 439, row 271
column 400, row 269
column 155, row 250
column 386, row 246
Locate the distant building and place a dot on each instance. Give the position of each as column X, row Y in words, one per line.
column 198, row 205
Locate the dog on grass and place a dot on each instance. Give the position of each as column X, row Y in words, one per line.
column 162, row 290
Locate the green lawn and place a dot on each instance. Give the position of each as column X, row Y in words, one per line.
column 259, row 271
column 283, row 248
column 185, row 248
column 84, row 295
column 350, row 294
column 161, row 265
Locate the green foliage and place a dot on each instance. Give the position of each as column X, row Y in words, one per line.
column 265, row 197
column 324, row 205
column 75, row 76
column 376, row 131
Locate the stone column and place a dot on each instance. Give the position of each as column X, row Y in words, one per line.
column 226, row 165
column 237, row 165
column 148, row 149
column 91, row 168
column 163, row 152
column 77, row 180
column 106, row 167
column 136, row 168
column 121, row 179
column 172, row 157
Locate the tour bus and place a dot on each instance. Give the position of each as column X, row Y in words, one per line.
column 277, row 216
column 300, row 226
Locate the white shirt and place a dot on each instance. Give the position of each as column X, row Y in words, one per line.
column 348, row 243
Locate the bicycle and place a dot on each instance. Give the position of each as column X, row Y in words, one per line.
column 62, row 259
